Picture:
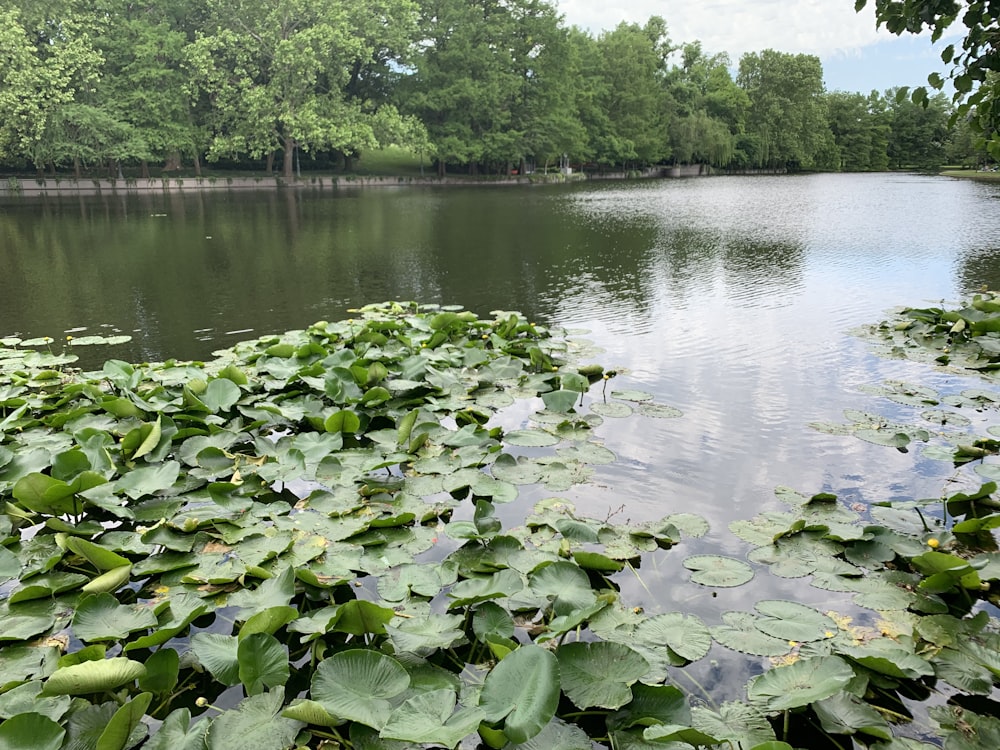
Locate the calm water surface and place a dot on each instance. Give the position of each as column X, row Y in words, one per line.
column 729, row 298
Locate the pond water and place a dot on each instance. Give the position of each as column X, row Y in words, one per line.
column 729, row 298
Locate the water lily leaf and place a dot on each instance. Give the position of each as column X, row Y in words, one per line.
column 530, row 438
column 45, row 586
column 257, row 722
column 800, row 683
column 689, row 524
column 516, row 470
column 431, row 718
column 311, row 712
column 631, row 395
column 274, row 592
column 887, row 657
column 597, row 561
column 588, row 453
column 659, row 411
column 425, row 635
column 670, row 733
column 109, row 582
column 613, row 409
column 26, row 698
column 523, row 692
column 101, row 558
column 21, row 663
column 147, row 480
column 126, row 719
column 557, row 735
column 739, row 632
column 184, row 609
column 735, row 722
column 31, row 731
column 792, row 621
column 715, row 570
column 473, row 590
column 359, row 617
column 685, row 635
column 563, row 584
column 99, row 617
column 843, row 713
column 263, row 662
column 889, row 438
column 358, row 685
column 949, row 418
column 492, row 619
column 162, row 669
column 219, row 654
column 177, row 733
column 600, row 673
column 560, row 401
column 93, row 676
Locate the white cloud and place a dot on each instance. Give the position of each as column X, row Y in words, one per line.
column 820, row 27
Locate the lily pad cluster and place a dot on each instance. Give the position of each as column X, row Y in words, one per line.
column 298, row 544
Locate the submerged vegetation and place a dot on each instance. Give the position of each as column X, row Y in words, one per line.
column 299, row 544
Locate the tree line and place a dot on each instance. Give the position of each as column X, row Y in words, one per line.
column 479, row 86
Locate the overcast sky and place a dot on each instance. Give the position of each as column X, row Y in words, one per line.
column 855, row 56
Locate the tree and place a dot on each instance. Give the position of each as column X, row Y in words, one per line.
column 279, row 74
column 46, row 61
column 975, row 63
column 632, row 95
column 919, row 132
column 860, row 127
column 707, row 108
column 786, row 109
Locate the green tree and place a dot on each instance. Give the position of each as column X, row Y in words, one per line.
column 279, row 75
column 860, row 126
column 707, row 108
column 631, row 94
column 975, row 60
column 786, row 115
column 919, row 132
column 47, row 60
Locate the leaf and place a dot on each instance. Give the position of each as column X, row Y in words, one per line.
column 99, row 617
column 631, row 395
column 557, row 735
column 148, row 480
column 429, row 718
column 358, row 685
column 359, row 617
column 843, row 713
column 741, row 634
column 219, row 654
column 560, row 401
column 792, row 621
column 125, row 720
column 263, row 662
column 93, row 676
column 523, row 692
column 685, row 635
column 714, row 570
column 599, row 674
column 177, row 733
column 101, row 558
column 734, row 722
column 256, row 723
column 530, row 438
column 800, row 683
column 31, row 731
column 221, row 395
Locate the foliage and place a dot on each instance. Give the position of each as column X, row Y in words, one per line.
column 297, row 544
column 974, row 74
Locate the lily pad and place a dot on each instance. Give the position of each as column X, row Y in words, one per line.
column 718, row 571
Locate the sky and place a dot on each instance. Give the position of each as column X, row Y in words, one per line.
column 855, row 56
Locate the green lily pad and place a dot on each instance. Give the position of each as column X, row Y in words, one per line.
column 599, row 674
column 358, row 685
column 718, row 571
column 792, row 621
column 800, row 683
column 522, row 691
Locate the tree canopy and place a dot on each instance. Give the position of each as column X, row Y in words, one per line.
column 478, row 86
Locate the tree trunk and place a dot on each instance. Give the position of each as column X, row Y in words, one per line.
column 145, row 169
column 270, row 162
column 348, row 163
column 286, row 163
column 76, row 167
column 173, row 162
column 197, row 165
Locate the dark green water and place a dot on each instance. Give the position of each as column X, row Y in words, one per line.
column 729, row 298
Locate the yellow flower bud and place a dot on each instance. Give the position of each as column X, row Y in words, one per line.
column 933, row 543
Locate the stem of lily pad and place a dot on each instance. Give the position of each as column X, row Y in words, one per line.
column 784, row 727
column 926, row 527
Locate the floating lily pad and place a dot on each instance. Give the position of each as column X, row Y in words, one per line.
column 631, row 395
column 613, row 409
column 740, row 633
column 793, row 621
column 659, row 411
column 718, row 571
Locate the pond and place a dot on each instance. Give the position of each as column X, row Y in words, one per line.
column 731, row 299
